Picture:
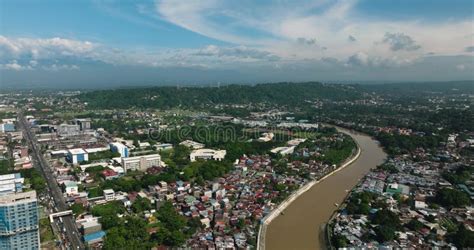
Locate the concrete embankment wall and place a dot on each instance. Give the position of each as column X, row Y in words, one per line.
column 274, row 213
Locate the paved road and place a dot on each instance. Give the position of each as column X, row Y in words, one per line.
column 69, row 223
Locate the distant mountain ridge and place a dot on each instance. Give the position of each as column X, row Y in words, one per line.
column 167, row 97
column 284, row 93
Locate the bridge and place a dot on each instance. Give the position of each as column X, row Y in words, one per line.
column 59, row 214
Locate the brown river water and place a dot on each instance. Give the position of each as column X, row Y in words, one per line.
column 302, row 224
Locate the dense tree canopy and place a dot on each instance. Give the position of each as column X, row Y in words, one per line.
column 452, row 198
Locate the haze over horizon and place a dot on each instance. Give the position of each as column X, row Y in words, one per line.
column 116, row 43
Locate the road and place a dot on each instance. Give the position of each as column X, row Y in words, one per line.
column 60, row 205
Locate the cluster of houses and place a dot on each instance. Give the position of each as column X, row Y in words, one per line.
column 415, row 178
column 229, row 208
column 11, row 147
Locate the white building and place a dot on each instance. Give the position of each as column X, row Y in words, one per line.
column 283, row 150
column 109, row 194
column 66, row 130
column 163, row 146
column 192, row 144
column 71, row 187
column 298, row 125
column 120, row 148
column 84, row 124
column 97, row 149
column 266, row 137
column 296, row 141
column 207, row 154
column 77, row 155
column 142, row 162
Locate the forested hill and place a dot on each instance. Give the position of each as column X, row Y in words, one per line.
column 189, row 97
column 421, row 88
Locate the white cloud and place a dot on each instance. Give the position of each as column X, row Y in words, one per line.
column 335, row 24
column 13, row 65
column 239, row 52
column 400, row 41
column 57, row 54
column 39, row 48
column 60, row 67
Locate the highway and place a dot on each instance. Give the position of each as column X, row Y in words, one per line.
column 70, row 228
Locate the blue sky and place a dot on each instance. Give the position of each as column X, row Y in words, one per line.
column 204, row 41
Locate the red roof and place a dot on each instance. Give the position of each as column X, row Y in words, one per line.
column 109, row 173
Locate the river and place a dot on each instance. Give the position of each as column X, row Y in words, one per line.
column 302, row 225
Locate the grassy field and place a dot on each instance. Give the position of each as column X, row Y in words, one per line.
column 46, row 232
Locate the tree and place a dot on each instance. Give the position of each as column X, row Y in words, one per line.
column 170, row 218
column 462, row 238
column 109, row 221
column 141, row 204
column 415, row 225
column 452, row 198
column 111, row 208
column 385, row 233
column 173, row 226
column 385, row 217
column 339, row 241
column 130, row 235
column 77, row 209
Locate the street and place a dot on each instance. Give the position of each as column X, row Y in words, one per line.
column 68, row 221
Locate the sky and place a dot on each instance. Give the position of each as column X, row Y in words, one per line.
column 96, row 43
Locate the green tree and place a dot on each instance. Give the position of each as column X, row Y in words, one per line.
column 385, row 233
column 339, row 241
column 109, row 221
column 415, row 225
column 141, row 204
column 452, row 198
column 77, row 209
column 462, row 238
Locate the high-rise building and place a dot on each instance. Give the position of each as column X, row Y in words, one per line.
column 19, row 221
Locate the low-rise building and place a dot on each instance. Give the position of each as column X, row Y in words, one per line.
column 66, row 130
column 120, row 148
column 192, row 144
column 71, row 188
column 77, row 155
column 207, row 154
column 109, row 194
column 283, row 150
column 7, row 127
column 84, row 123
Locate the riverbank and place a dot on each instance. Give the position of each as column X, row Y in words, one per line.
column 302, row 226
column 274, row 213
